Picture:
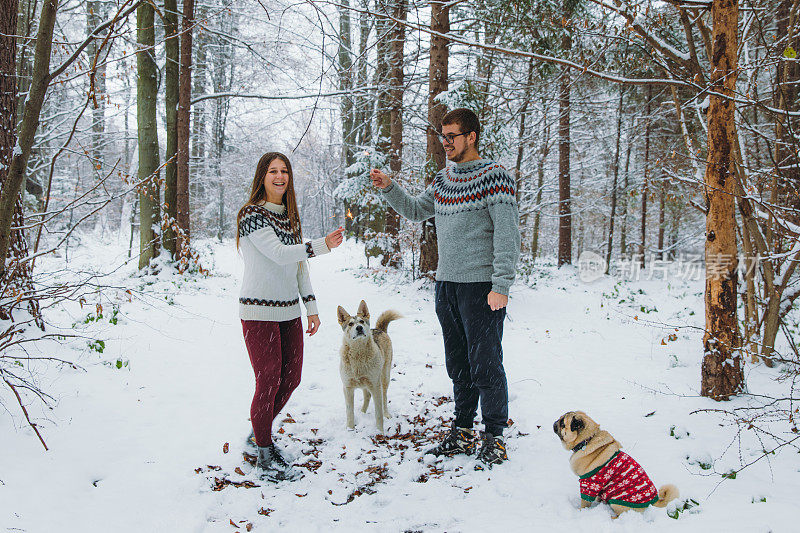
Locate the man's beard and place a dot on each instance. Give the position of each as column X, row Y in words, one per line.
column 457, row 156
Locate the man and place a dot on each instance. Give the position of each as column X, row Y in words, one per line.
column 477, row 225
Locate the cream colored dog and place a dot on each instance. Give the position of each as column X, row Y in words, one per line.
column 606, row 473
column 366, row 361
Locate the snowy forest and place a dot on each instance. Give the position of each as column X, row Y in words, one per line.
column 655, row 147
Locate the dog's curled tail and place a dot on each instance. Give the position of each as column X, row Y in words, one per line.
column 387, row 316
column 666, row 493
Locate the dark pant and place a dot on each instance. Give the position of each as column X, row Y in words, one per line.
column 276, row 353
column 473, row 353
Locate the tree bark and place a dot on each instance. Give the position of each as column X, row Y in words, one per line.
column 396, row 80
column 26, row 24
column 199, row 152
column 662, row 197
column 146, row 104
column 96, row 14
column 609, row 248
column 18, row 280
column 722, row 374
column 27, row 129
column 224, row 65
column 623, row 229
column 564, row 196
column 184, row 131
column 435, row 156
column 171, row 74
column 543, row 153
column 523, row 115
column 346, row 82
column 645, row 181
column 363, row 123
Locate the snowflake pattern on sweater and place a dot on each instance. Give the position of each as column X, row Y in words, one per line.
column 256, row 217
column 621, row 481
column 457, row 190
column 275, row 271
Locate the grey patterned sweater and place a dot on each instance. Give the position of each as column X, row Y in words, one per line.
column 477, row 221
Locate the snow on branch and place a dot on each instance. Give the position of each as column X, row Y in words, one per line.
column 280, row 96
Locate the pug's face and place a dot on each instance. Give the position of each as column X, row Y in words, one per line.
column 573, row 427
column 355, row 326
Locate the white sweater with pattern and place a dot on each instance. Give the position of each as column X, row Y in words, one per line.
column 276, row 275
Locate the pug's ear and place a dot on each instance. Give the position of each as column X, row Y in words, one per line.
column 362, row 310
column 342, row 315
column 576, row 425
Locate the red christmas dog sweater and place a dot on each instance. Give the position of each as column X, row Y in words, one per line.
column 621, row 481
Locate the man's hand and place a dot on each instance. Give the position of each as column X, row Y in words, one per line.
column 379, row 179
column 313, row 324
column 496, row 300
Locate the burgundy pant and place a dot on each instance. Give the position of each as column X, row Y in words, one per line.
column 276, row 353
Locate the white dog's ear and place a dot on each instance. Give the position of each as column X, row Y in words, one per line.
column 342, row 315
column 362, row 310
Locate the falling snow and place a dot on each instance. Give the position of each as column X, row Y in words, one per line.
column 143, row 448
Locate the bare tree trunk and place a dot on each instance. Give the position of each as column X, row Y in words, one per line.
column 26, row 25
column 436, row 159
column 623, row 230
column 19, row 279
column 96, row 14
column 346, row 82
column 223, row 71
column 396, row 77
column 198, row 157
column 749, row 298
column 614, row 183
column 363, row 109
column 171, row 73
column 564, row 196
column 523, row 115
column 543, row 153
column 8, row 85
column 662, row 197
column 184, row 131
column 13, row 181
column 27, row 14
column 146, row 103
column 646, row 177
column 722, row 374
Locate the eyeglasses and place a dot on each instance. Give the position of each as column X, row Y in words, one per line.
column 448, row 138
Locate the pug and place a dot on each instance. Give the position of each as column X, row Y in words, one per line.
column 606, row 473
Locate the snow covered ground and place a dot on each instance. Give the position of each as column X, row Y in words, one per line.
column 138, row 448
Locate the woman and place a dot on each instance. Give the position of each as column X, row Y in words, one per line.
column 275, row 274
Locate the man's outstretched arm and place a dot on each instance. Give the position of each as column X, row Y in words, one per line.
column 415, row 208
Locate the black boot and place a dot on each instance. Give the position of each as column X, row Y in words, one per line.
column 274, row 467
column 492, row 452
column 458, row 441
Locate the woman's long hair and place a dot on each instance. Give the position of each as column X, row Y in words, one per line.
column 258, row 193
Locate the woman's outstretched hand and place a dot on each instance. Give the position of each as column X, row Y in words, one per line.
column 313, row 324
column 332, row 240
